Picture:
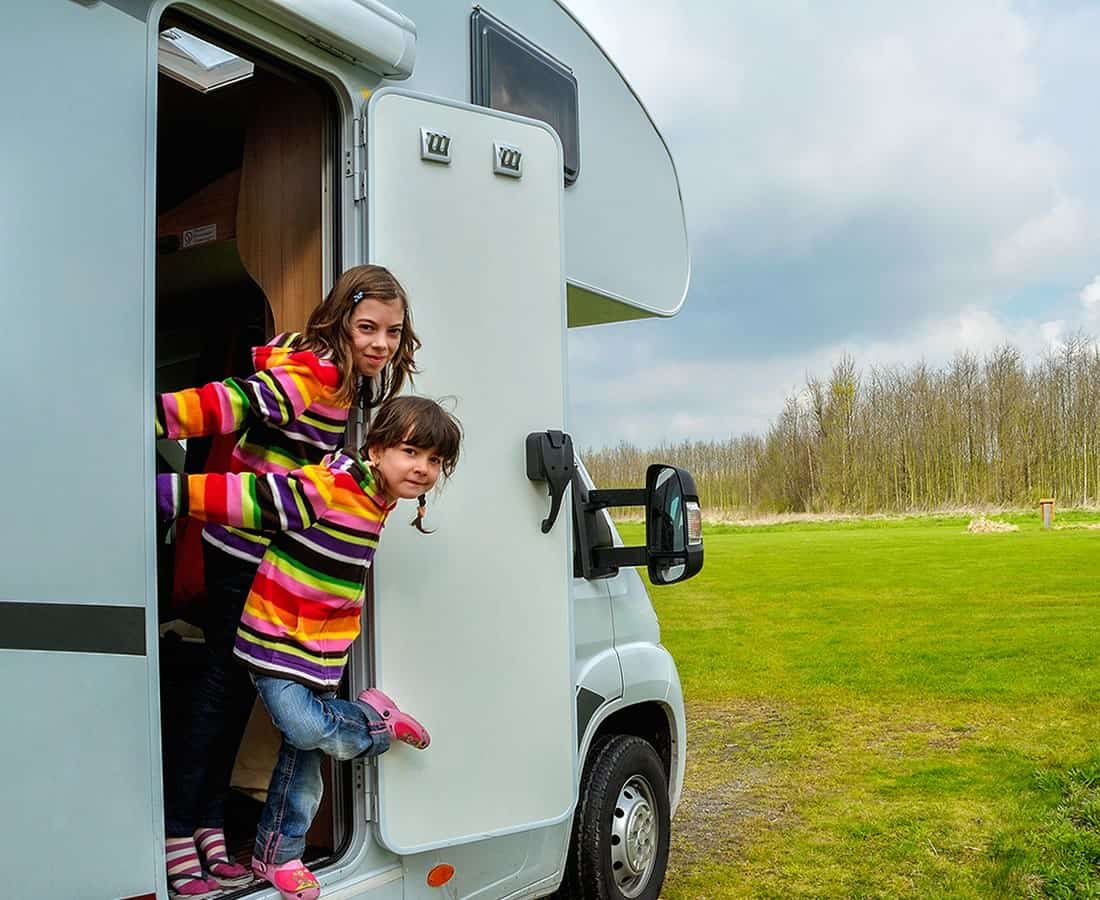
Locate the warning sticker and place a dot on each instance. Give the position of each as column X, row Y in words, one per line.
column 204, row 234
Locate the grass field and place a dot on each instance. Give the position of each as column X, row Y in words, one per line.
column 889, row 708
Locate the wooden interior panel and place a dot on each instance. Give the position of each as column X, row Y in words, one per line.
column 279, row 211
column 211, row 213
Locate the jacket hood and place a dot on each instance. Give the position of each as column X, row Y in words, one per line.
column 279, row 351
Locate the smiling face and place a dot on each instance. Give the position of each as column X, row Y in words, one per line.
column 375, row 332
column 405, row 471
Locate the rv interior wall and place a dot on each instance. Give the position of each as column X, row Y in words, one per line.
column 279, row 214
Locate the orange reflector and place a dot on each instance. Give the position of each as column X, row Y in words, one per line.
column 440, row 875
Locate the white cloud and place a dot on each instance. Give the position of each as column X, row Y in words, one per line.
column 1043, row 242
column 825, row 113
column 917, row 179
column 1090, row 299
column 651, row 398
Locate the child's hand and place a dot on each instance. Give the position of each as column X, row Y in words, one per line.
column 168, row 491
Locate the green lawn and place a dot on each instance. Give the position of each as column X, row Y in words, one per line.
column 889, row 708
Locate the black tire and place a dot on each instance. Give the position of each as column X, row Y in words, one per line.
column 619, row 848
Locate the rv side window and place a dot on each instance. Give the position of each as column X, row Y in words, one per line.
column 512, row 74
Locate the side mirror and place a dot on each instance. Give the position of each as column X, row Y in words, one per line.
column 673, row 548
column 673, row 525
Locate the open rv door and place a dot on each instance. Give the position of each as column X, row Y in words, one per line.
column 473, row 624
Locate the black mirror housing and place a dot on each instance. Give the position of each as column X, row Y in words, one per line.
column 673, row 525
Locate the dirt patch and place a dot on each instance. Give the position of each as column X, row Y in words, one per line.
column 731, row 786
column 982, row 525
column 954, row 738
column 894, row 737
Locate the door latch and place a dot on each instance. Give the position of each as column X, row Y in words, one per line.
column 550, row 459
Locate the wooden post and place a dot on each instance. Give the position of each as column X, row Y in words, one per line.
column 1046, row 510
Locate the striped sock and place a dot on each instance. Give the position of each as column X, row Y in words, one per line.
column 182, row 857
column 211, row 841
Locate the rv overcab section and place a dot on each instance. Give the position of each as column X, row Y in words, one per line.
column 625, row 242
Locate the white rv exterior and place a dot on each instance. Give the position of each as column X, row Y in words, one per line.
column 528, row 674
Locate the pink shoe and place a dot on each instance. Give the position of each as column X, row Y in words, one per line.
column 400, row 725
column 293, row 880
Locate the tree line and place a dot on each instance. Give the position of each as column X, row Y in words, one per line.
column 978, row 430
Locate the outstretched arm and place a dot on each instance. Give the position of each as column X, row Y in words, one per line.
column 277, row 395
column 257, row 502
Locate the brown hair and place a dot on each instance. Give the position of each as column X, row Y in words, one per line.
column 423, row 423
column 327, row 332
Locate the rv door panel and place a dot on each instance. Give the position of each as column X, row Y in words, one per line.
column 473, row 630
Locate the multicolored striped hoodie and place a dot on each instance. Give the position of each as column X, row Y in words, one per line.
column 290, row 414
column 303, row 610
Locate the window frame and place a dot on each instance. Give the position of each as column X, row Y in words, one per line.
column 483, row 27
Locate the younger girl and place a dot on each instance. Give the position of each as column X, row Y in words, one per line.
column 303, row 610
column 357, row 350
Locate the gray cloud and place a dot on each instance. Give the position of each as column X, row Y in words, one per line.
column 855, row 176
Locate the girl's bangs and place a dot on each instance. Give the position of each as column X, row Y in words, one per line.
column 434, row 432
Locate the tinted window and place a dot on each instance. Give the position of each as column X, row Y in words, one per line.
column 513, row 75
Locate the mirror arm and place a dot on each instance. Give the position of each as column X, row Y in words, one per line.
column 618, row 557
column 615, row 497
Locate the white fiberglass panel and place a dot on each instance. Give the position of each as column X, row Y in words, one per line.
column 473, row 630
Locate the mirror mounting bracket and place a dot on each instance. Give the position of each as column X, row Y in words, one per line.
column 615, row 497
column 602, row 561
column 595, row 561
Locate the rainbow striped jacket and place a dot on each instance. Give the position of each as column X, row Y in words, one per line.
column 303, row 610
column 288, row 415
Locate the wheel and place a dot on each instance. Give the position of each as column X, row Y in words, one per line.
column 619, row 848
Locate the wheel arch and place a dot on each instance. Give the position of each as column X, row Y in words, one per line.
column 651, row 720
column 651, row 707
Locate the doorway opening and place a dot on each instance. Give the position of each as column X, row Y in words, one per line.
column 246, row 149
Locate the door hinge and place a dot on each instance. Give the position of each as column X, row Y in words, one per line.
column 355, row 159
column 364, row 778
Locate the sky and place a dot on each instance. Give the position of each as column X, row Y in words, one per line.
column 898, row 182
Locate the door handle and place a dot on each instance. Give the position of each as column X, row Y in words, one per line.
column 550, row 459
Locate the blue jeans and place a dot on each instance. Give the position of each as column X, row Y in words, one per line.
column 313, row 725
column 200, row 761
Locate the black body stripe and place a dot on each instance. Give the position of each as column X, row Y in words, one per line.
column 72, row 627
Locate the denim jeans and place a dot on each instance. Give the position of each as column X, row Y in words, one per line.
column 200, row 764
column 312, row 725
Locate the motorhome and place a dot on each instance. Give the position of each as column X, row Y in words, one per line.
column 179, row 182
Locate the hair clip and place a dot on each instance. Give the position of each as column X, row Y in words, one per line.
column 358, row 295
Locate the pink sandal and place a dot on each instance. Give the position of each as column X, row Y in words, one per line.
column 400, row 725
column 292, row 879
